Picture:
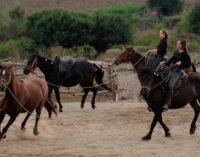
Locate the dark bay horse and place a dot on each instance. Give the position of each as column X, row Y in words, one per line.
column 20, row 96
column 139, row 62
column 155, row 94
column 82, row 72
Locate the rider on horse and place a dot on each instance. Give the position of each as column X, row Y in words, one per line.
column 177, row 63
column 160, row 51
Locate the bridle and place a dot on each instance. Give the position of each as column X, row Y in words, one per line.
column 137, row 62
column 5, row 82
column 31, row 67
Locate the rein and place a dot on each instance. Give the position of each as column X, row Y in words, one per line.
column 163, row 80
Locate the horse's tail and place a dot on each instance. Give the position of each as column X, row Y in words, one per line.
column 99, row 78
column 50, row 107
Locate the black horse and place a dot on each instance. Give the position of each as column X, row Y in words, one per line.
column 82, row 72
column 154, row 94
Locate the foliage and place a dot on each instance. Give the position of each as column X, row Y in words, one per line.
column 194, row 19
column 166, row 7
column 70, row 29
column 17, row 48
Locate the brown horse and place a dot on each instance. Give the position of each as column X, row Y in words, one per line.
column 21, row 96
column 154, row 94
column 139, row 62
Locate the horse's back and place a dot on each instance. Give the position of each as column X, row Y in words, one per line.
column 36, row 85
column 84, row 66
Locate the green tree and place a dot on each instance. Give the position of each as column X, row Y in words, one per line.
column 166, row 7
column 17, row 13
column 194, row 20
column 109, row 30
column 69, row 29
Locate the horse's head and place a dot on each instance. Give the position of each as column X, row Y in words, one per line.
column 147, row 79
column 31, row 63
column 126, row 56
column 5, row 75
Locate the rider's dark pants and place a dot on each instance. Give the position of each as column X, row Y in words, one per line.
column 175, row 76
column 155, row 61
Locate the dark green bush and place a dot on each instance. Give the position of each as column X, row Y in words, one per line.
column 166, row 7
column 194, row 20
column 69, row 29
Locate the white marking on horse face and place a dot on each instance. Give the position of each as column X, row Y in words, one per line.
column 51, row 62
column 4, row 72
column 46, row 60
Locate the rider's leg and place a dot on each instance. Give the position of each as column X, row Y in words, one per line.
column 172, row 82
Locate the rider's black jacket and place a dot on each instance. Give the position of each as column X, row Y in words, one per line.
column 162, row 47
column 183, row 57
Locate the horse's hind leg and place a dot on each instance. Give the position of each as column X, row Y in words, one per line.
column 25, row 120
column 5, row 129
column 38, row 113
column 153, row 124
column 58, row 99
column 166, row 129
column 94, row 90
column 195, row 106
column 86, row 90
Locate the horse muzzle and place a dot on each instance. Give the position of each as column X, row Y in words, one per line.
column 2, row 86
column 145, row 92
column 27, row 70
column 116, row 62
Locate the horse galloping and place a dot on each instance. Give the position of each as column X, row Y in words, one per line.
column 21, row 96
column 81, row 72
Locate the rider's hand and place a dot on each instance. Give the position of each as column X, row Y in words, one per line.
column 178, row 63
column 162, row 63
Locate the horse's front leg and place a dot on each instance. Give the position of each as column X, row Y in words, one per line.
column 58, row 99
column 196, row 109
column 2, row 115
column 86, row 90
column 5, row 129
column 38, row 113
column 94, row 90
column 153, row 124
column 166, row 129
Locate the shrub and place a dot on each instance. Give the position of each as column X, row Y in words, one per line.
column 194, row 19
column 166, row 7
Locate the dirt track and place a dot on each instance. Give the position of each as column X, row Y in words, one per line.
column 112, row 130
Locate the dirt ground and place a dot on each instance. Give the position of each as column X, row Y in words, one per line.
column 112, row 130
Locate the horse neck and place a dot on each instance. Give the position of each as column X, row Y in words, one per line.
column 14, row 86
column 138, row 62
column 46, row 69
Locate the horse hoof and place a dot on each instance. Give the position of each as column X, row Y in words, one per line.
column 192, row 130
column 146, row 138
column 4, row 136
column 36, row 132
column 168, row 134
column 61, row 110
column 93, row 107
column 23, row 128
column 82, row 106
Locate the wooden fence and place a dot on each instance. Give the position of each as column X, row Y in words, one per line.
column 121, row 80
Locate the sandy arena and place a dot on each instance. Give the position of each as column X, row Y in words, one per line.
column 112, row 130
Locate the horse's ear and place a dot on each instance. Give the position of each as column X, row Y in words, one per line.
column 57, row 59
column 10, row 65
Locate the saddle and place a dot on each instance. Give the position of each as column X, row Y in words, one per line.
column 164, row 73
column 181, row 81
column 64, row 64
